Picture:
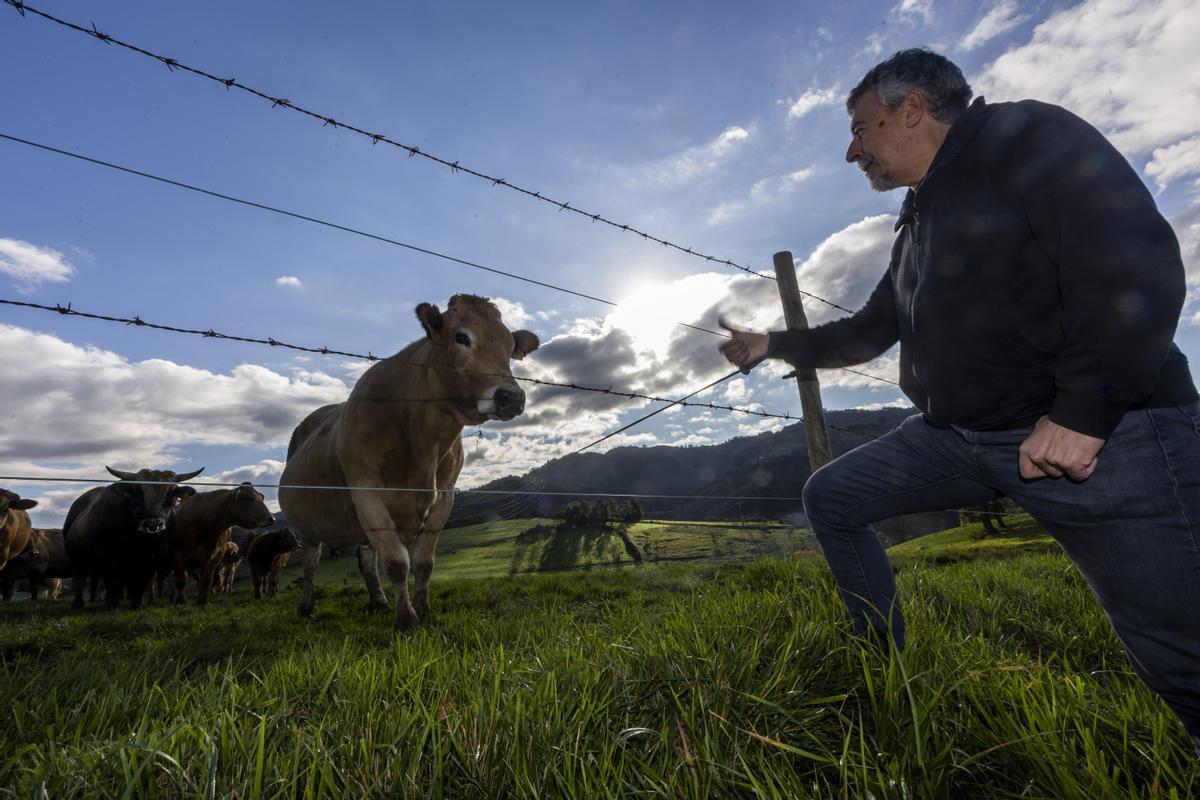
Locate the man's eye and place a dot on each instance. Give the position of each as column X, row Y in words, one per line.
column 462, row 339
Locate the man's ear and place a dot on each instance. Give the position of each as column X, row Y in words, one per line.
column 524, row 343
column 431, row 321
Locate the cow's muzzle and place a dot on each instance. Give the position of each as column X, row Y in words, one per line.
column 152, row 525
column 509, row 402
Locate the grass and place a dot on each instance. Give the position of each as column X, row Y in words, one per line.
column 664, row 680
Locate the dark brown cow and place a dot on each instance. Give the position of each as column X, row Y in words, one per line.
column 15, row 527
column 267, row 554
column 401, row 428
column 43, row 562
column 231, row 559
column 198, row 530
column 115, row 531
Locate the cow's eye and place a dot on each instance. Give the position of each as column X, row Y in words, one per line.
column 462, row 339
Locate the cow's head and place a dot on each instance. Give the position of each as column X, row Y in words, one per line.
column 11, row 501
column 152, row 493
column 249, row 510
column 474, row 349
column 287, row 541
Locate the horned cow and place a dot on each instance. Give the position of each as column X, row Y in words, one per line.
column 114, row 532
column 401, row 428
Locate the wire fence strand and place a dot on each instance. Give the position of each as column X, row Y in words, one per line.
column 456, row 166
column 454, row 490
column 377, row 237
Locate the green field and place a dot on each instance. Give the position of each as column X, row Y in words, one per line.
column 511, row 547
column 675, row 678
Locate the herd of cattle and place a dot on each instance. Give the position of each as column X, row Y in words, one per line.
column 132, row 536
column 376, row 471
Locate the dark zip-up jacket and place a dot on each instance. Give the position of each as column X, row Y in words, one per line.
column 1032, row 274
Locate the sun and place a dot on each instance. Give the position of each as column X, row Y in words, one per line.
column 650, row 312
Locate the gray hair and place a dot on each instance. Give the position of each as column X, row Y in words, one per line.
column 936, row 77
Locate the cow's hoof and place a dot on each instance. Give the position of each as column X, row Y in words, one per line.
column 377, row 604
column 306, row 610
column 406, row 623
column 424, row 614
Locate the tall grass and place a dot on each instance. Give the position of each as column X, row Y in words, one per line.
column 737, row 681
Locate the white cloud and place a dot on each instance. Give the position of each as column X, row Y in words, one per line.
column 764, row 191
column 1187, row 229
column 513, row 313
column 1169, row 163
column 701, row 160
column 909, row 10
column 288, row 280
column 31, row 265
column 873, row 47
column 1126, row 66
column 71, row 410
column 811, row 100
column 847, row 266
column 1001, row 19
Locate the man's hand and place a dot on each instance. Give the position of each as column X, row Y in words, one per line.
column 1052, row 451
column 744, row 349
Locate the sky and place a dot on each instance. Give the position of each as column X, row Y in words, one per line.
column 716, row 126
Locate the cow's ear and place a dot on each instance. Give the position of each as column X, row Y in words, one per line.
column 524, row 343
column 431, row 321
column 22, row 504
column 245, row 491
column 182, row 492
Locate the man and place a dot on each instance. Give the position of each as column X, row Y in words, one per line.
column 1034, row 289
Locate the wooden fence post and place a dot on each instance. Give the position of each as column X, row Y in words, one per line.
column 815, row 432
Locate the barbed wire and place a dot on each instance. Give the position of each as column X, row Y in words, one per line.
column 358, row 232
column 137, row 321
column 456, row 166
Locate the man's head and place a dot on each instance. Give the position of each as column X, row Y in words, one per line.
column 899, row 115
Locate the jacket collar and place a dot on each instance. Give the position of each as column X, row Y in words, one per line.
column 961, row 132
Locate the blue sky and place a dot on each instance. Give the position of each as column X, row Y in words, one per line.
column 717, row 126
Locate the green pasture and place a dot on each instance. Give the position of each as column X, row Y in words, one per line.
column 673, row 678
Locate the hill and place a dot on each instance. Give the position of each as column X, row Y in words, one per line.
column 763, row 466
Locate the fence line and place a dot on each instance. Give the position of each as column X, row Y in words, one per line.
column 358, row 232
column 137, row 321
column 454, row 166
column 408, row 490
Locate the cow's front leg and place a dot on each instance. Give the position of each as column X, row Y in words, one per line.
column 382, row 534
column 205, row 582
column 180, row 576
column 368, row 567
column 311, row 556
column 423, row 551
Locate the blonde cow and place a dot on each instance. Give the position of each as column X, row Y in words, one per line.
column 401, row 428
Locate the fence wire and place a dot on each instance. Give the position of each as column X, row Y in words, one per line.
column 455, row 166
column 376, row 237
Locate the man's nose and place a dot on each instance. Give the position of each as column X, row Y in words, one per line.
column 854, row 151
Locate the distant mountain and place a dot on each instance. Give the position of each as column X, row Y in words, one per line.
column 753, row 467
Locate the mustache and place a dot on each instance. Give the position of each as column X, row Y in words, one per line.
column 865, row 163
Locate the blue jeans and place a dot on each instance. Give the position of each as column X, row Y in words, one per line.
column 1132, row 528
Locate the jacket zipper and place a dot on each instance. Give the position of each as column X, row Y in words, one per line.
column 912, row 302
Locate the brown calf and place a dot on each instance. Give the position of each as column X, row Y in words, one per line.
column 267, row 554
column 198, row 530
column 231, row 559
